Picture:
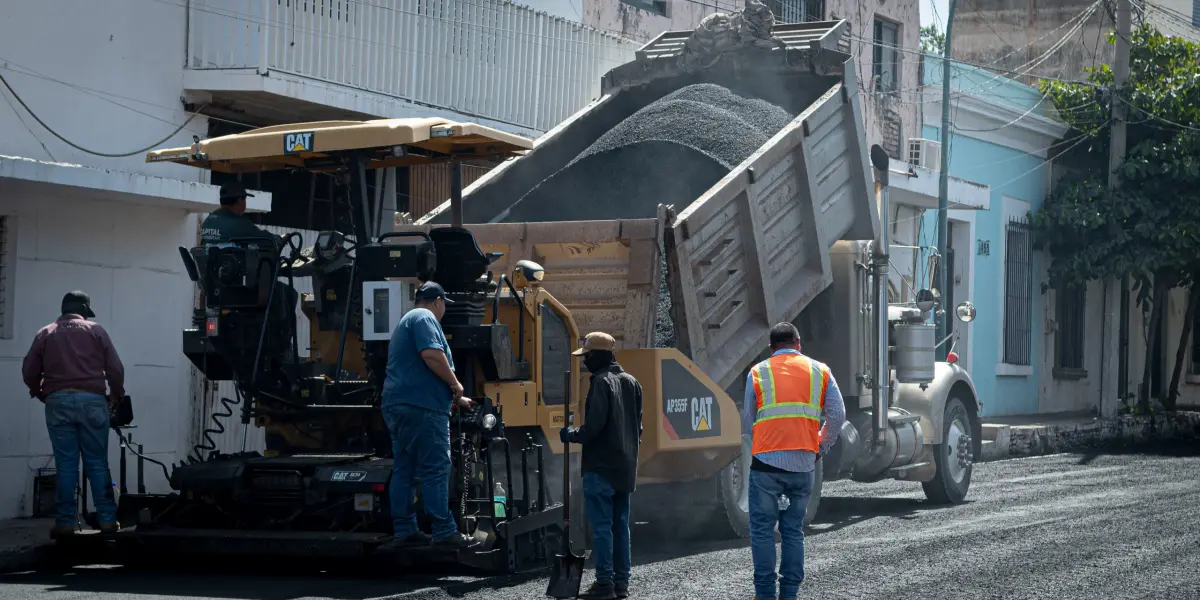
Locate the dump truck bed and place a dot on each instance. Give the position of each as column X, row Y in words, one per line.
column 711, row 276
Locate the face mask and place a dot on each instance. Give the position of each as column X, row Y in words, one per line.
column 595, row 361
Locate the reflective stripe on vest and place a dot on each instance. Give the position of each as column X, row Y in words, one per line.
column 790, row 391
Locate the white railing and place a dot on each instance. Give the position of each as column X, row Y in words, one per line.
column 485, row 58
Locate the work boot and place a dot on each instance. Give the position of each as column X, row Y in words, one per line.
column 600, row 591
column 110, row 527
column 411, row 540
column 456, row 541
column 621, row 588
column 419, row 538
column 59, row 532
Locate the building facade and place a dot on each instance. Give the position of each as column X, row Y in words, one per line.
column 1026, row 353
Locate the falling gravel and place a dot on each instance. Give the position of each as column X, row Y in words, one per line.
column 669, row 152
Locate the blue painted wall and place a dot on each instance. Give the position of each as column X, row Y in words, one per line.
column 1008, row 172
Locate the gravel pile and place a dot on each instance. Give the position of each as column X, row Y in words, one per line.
column 669, row 152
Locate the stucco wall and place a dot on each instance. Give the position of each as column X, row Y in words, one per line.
column 123, row 61
column 879, row 107
column 123, row 256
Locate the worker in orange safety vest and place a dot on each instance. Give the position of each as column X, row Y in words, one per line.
column 786, row 397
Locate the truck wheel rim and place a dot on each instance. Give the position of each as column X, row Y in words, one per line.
column 956, row 463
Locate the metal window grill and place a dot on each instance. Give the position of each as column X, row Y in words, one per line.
column 1069, row 337
column 556, row 356
column 1018, row 292
column 5, row 275
column 1196, row 343
column 797, row 11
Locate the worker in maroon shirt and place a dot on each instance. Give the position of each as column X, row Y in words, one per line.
column 67, row 367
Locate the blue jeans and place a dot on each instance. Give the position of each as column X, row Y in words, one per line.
column 608, row 510
column 78, row 424
column 765, row 490
column 421, row 451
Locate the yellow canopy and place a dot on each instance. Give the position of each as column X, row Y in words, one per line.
column 317, row 146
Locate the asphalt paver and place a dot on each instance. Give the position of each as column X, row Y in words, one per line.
column 1106, row 525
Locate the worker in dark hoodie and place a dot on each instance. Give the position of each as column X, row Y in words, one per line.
column 610, row 435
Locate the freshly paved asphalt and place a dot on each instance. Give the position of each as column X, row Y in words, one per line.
column 1063, row 527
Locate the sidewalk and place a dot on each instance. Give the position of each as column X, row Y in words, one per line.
column 1015, row 437
column 23, row 543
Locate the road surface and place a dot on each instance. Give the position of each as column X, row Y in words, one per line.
column 1062, row 527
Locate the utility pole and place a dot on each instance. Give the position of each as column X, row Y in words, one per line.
column 1114, row 378
column 944, row 180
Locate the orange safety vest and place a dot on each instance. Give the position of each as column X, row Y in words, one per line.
column 790, row 393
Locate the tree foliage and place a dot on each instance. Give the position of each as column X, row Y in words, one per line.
column 933, row 41
column 1148, row 228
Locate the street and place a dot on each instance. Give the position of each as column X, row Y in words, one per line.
column 1064, row 527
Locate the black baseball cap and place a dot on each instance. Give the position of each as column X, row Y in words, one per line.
column 431, row 291
column 234, row 190
column 77, row 303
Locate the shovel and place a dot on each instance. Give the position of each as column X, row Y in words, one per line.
column 566, row 574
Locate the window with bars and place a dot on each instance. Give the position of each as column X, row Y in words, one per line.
column 6, row 275
column 1018, row 292
column 658, row 7
column 886, row 69
column 1195, row 366
column 1069, row 336
column 338, row 10
column 797, row 11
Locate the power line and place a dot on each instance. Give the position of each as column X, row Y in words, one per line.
column 68, row 142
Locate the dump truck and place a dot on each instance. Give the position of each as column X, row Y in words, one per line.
column 791, row 233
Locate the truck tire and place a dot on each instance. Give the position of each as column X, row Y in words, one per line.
column 953, row 479
column 733, row 491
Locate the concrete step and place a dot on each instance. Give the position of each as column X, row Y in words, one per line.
column 992, row 431
column 993, row 451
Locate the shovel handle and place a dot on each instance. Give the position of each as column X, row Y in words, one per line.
column 566, row 465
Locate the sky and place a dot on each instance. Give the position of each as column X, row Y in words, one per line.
column 934, row 11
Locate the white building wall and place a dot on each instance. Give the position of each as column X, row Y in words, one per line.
column 106, row 75
column 123, row 256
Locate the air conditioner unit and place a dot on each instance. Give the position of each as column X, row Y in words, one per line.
column 925, row 153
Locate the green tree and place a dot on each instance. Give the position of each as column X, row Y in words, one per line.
column 1149, row 227
column 933, row 41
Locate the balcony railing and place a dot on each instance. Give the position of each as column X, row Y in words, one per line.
column 485, row 58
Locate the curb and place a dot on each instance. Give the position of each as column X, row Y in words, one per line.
column 1017, row 441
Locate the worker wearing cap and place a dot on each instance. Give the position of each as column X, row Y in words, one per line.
column 67, row 368
column 786, row 397
column 610, row 435
column 418, row 392
column 229, row 222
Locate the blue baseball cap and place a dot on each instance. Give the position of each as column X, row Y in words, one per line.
column 431, row 291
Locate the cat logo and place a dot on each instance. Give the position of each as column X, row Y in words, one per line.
column 702, row 413
column 298, row 142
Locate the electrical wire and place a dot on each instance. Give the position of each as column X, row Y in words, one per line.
column 68, row 142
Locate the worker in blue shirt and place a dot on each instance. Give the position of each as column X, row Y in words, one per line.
column 418, row 392
column 786, row 397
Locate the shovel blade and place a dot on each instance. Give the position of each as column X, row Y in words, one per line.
column 566, row 575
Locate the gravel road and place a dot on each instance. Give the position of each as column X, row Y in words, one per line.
column 1062, row 527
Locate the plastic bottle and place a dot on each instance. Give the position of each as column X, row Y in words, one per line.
column 500, row 499
column 116, row 493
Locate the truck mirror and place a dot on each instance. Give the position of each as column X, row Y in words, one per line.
column 965, row 312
